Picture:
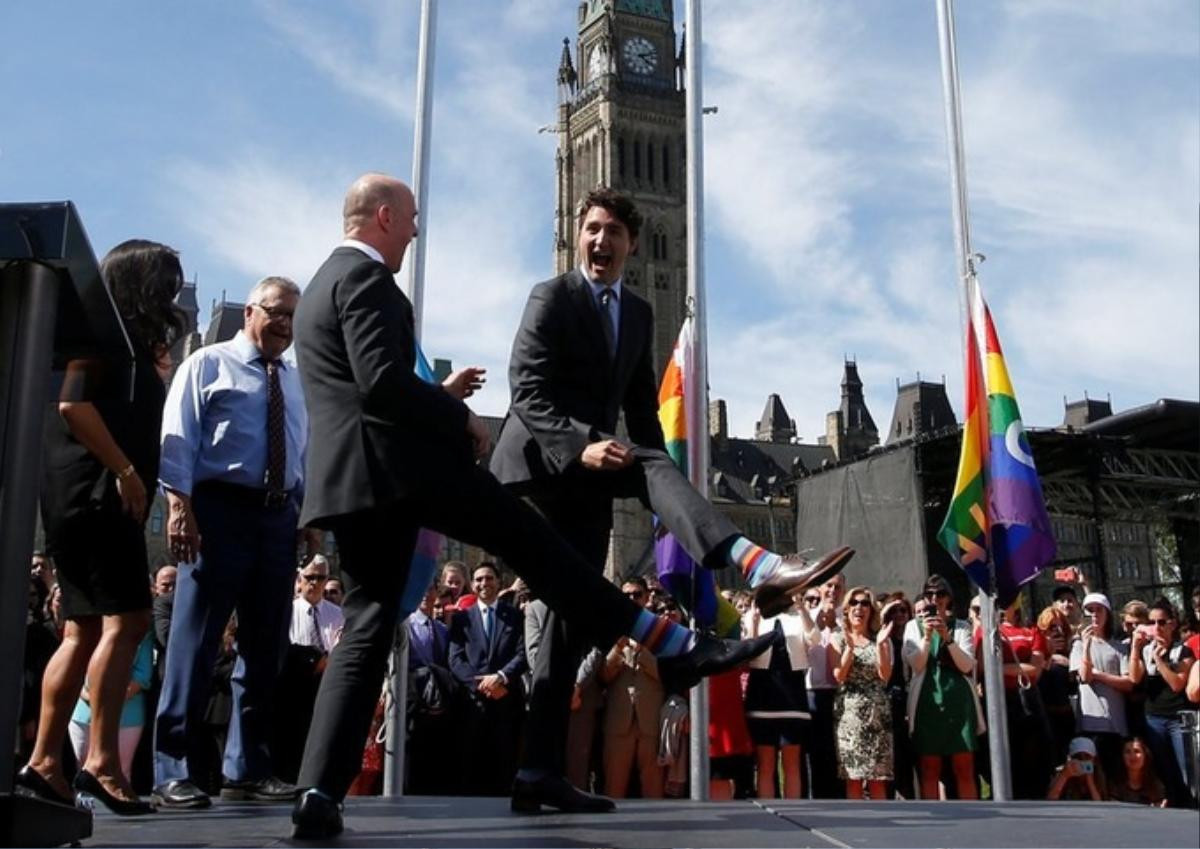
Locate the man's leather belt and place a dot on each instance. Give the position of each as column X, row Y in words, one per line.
column 251, row 496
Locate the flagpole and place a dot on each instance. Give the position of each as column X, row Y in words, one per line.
column 993, row 674
column 697, row 400
column 414, row 287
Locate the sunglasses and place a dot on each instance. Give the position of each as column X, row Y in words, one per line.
column 859, row 602
column 935, row 594
column 314, row 579
column 1160, row 622
column 812, row 599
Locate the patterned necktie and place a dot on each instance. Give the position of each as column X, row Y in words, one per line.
column 606, row 321
column 314, row 629
column 276, row 442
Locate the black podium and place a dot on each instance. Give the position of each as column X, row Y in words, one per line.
column 61, row 338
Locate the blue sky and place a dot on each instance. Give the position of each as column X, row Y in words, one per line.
column 231, row 129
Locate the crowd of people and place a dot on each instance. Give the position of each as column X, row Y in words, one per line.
column 259, row 681
column 905, row 717
column 863, row 696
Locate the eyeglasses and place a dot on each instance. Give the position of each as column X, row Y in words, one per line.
column 812, row 599
column 1160, row 622
column 935, row 594
column 276, row 313
column 314, row 579
column 859, row 602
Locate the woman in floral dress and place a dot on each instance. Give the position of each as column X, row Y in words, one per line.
column 861, row 659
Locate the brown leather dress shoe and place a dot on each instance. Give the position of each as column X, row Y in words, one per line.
column 774, row 595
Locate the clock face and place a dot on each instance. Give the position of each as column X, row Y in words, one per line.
column 597, row 64
column 640, row 55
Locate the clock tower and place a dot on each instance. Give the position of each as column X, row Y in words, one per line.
column 621, row 125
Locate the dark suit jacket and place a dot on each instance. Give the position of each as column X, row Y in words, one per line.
column 440, row 648
column 565, row 391
column 471, row 654
column 381, row 425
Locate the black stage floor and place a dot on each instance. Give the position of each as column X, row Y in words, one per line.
column 433, row 821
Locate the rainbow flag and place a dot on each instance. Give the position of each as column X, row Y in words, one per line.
column 997, row 510
column 692, row 587
column 429, row 543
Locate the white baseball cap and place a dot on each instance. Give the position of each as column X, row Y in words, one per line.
column 1081, row 746
column 1096, row 598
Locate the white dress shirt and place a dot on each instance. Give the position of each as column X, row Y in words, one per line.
column 330, row 620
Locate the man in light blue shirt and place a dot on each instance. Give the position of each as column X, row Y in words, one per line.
column 233, row 440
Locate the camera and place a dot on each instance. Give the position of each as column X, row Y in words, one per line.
column 1085, row 767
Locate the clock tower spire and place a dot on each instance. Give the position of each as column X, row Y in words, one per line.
column 621, row 126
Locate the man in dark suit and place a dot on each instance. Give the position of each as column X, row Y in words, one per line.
column 581, row 357
column 389, row 454
column 487, row 656
column 434, row 717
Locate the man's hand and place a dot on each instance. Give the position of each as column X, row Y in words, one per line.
column 133, row 496
column 183, row 537
column 576, row 698
column 490, row 684
column 606, row 455
column 481, row 440
column 465, row 382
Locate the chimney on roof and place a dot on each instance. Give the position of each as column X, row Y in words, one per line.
column 718, row 423
column 1079, row 413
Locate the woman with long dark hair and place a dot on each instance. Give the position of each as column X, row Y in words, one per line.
column 101, row 461
column 1160, row 663
column 944, row 716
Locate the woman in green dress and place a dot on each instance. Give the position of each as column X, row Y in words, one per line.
column 944, row 716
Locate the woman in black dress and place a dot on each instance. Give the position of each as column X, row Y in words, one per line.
column 101, row 462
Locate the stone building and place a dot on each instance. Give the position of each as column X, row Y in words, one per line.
column 849, row 430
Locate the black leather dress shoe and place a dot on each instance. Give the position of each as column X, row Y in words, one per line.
column 30, row 780
column 316, row 817
column 709, row 656
column 87, row 785
column 263, row 790
column 181, row 795
column 554, row 791
column 774, row 595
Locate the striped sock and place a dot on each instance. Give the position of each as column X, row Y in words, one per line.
column 757, row 564
column 662, row 636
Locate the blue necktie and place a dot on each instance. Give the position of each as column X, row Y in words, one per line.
column 487, row 624
column 606, row 319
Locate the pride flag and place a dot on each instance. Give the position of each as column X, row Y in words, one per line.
column 689, row 585
column 997, row 509
column 429, row 543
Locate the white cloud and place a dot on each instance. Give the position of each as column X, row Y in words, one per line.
column 826, row 184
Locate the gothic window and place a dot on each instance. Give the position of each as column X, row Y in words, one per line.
column 637, row 160
column 660, row 280
column 650, row 161
column 630, row 276
column 621, row 157
column 666, row 168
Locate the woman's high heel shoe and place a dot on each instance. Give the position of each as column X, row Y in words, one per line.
column 31, row 780
column 89, row 785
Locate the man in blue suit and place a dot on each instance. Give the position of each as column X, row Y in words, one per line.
column 487, row 656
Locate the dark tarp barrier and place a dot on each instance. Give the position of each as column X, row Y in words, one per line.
column 873, row 505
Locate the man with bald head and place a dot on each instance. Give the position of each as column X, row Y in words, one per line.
column 390, row 454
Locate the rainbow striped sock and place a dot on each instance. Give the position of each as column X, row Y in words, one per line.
column 662, row 636
column 757, row 564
